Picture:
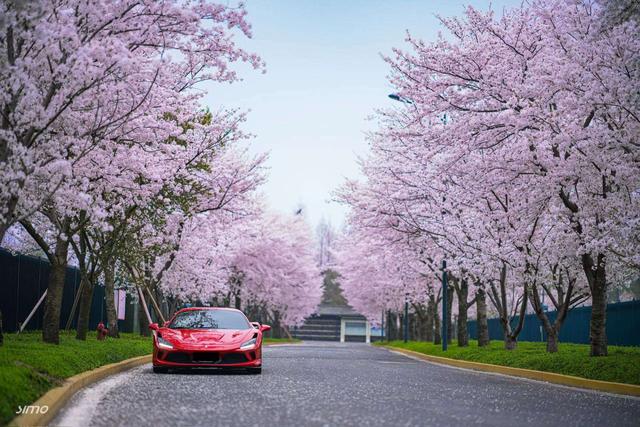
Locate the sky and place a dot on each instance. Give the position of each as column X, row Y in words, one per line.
column 325, row 77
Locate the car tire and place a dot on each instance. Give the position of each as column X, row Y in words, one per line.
column 255, row 371
column 160, row 370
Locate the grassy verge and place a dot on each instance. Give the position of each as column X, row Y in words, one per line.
column 280, row 340
column 29, row 367
column 622, row 365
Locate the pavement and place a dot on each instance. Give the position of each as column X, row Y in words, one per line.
column 333, row 384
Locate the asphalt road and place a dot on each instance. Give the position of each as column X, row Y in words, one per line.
column 331, row 384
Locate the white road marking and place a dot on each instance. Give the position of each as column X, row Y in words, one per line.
column 87, row 400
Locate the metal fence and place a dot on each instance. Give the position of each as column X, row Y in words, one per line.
column 23, row 280
column 623, row 325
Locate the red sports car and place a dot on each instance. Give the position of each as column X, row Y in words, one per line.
column 209, row 337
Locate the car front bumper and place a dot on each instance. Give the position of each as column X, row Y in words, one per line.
column 179, row 358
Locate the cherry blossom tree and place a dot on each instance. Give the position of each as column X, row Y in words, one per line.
column 543, row 93
column 515, row 158
column 77, row 74
column 278, row 268
column 94, row 98
column 257, row 261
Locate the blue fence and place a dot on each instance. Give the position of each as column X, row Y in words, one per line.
column 24, row 278
column 623, row 325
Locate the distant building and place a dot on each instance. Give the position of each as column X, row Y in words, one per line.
column 336, row 323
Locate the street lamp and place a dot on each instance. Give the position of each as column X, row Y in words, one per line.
column 400, row 98
column 445, row 299
column 406, row 317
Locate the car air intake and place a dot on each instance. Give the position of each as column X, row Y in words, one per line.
column 234, row 358
column 206, row 357
column 178, row 357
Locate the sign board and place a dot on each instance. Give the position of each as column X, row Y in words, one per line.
column 120, row 298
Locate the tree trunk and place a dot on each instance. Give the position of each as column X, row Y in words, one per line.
column 598, row 333
column 144, row 322
column 510, row 342
column 463, row 332
column 483, row 324
column 413, row 327
column 173, row 307
column 562, row 307
column 596, row 277
column 500, row 302
column 109, row 289
column 84, row 311
column 437, row 332
column 397, row 326
column 429, row 321
column 552, row 341
column 8, row 218
column 55, row 289
column 462, row 292
column 161, row 307
column 276, row 328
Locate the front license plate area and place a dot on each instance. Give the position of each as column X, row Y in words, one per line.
column 206, row 357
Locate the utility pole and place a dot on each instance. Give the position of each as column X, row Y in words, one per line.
column 445, row 297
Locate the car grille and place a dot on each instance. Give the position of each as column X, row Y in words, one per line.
column 208, row 357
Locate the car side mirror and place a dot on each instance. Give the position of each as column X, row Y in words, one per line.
column 154, row 326
column 265, row 328
column 256, row 325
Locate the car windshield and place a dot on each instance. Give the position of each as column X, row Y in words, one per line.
column 210, row 319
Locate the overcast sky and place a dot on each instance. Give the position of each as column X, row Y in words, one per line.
column 324, row 78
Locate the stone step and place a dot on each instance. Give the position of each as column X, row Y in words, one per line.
column 317, row 332
column 321, row 322
column 318, row 328
column 317, row 337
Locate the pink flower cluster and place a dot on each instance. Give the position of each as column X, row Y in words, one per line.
column 515, row 151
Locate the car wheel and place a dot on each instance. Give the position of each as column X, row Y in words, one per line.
column 255, row 370
column 160, row 370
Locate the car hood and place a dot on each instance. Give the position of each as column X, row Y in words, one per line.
column 189, row 337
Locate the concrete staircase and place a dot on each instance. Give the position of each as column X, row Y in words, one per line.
column 318, row 328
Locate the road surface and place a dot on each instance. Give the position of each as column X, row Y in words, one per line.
column 332, row 384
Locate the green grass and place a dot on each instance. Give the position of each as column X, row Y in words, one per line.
column 280, row 340
column 29, row 367
column 621, row 365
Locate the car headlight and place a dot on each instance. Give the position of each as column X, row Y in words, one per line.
column 249, row 344
column 164, row 343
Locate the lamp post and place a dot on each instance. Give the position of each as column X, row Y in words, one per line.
column 406, row 318
column 445, row 298
column 400, row 98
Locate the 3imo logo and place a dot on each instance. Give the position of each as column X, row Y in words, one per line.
column 32, row 409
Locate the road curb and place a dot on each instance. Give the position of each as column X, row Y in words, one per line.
column 550, row 377
column 57, row 397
